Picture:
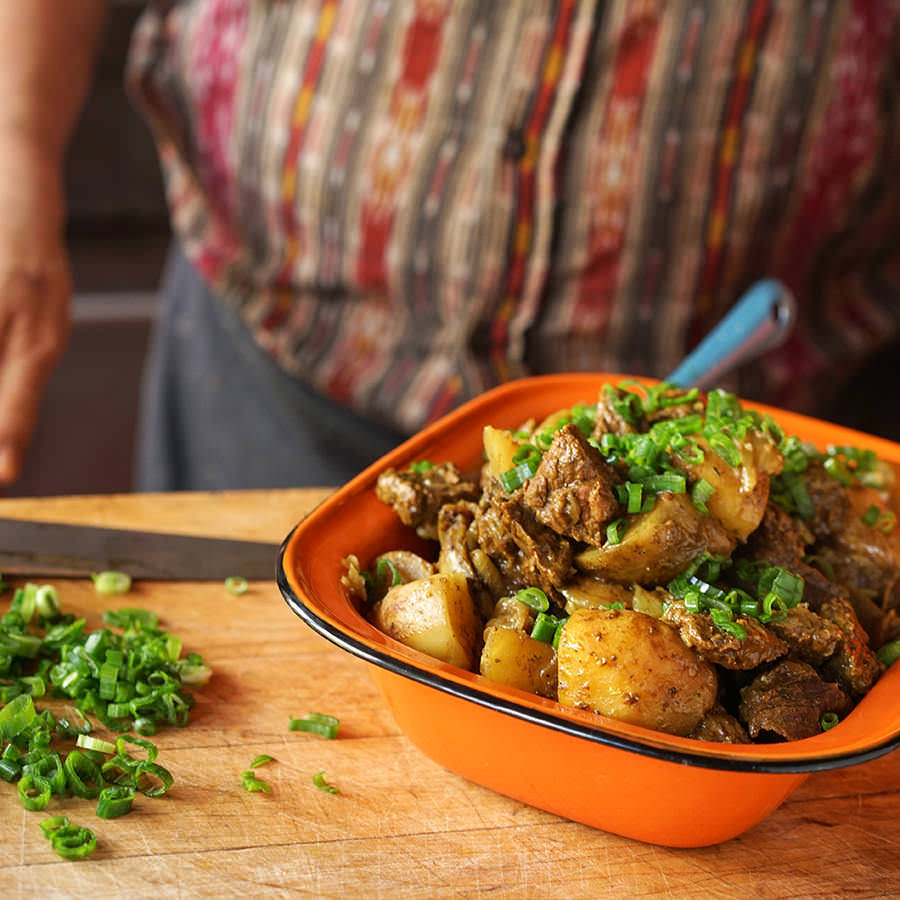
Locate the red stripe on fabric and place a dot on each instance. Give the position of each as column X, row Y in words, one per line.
column 525, row 182
column 597, row 284
column 390, row 163
column 727, row 156
column 299, row 125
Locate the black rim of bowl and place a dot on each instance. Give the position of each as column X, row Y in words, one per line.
column 546, row 719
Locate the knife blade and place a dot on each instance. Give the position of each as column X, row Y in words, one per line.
column 51, row 548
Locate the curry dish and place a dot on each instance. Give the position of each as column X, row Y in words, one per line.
column 663, row 557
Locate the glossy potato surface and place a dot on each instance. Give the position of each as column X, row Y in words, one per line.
column 632, row 667
column 517, row 659
column 435, row 615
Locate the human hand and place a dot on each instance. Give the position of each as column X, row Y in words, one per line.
column 35, row 285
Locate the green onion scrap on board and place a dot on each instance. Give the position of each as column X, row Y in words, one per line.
column 127, row 676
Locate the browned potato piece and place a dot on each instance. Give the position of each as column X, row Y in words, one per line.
column 435, row 615
column 632, row 667
column 517, row 659
column 588, row 592
column 658, row 545
column 740, row 492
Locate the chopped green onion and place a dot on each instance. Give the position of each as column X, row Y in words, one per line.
column 114, row 801
column 85, row 779
column 889, row 653
column 534, row 598
column 50, row 824
column 111, row 582
column 871, row 515
column 151, row 779
column 46, row 601
column 73, row 841
column 317, row 723
column 236, row 585
column 86, row 742
column 261, row 760
column 251, row 783
column 615, row 531
column 387, row 571
column 672, row 482
column 34, row 791
column 701, row 491
column 544, row 628
column 320, row 782
column 828, row 720
column 722, row 444
column 421, row 465
column 131, row 617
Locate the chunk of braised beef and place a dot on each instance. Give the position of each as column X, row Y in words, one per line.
column 698, row 630
column 809, row 636
column 572, row 490
column 829, row 500
column 854, row 665
column 608, row 418
column 782, row 540
column 720, row 726
column 525, row 552
column 418, row 494
column 788, row 700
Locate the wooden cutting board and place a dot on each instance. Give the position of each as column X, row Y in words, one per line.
column 401, row 826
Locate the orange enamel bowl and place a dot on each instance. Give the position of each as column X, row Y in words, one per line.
column 614, row 776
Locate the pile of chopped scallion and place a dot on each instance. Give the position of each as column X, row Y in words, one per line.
column 129, row 676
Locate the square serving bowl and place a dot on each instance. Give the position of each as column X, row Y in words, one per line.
column 611, row 775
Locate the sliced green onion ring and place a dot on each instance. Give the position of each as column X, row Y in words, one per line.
column 111, row 582
column 236, row 585
column 73, row 841
column 114, row 801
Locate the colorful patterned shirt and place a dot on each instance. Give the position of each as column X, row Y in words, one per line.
column 409, row 201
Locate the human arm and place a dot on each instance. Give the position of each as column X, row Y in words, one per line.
column 47, row 50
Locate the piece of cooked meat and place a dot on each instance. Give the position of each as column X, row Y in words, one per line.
column 524, row 551
column 864, row 558
column 699, row 631
column 809, row 636
column 788, row 700
column 720, row 726
column 606, row 419
column 572, row 489
column 854, row 664
column 829, row 500
column 417, row 494
column 781, row 540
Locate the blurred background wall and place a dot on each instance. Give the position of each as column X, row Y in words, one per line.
column 118, row 235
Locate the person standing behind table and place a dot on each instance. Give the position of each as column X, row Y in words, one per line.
column 383, row 208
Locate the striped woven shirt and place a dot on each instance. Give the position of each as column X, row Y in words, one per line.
column 409, row 201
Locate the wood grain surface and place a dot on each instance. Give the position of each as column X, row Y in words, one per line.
column 401, row 827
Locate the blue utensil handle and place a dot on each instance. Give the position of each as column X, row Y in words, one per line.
column 759, row 321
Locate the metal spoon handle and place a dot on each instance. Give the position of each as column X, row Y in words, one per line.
column 759, row 321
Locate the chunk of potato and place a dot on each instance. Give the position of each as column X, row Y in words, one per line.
column 659, row 544
column 435, row 615
column 517, row 659
column 740, row 493
column 588, row 592
column 630, row 666
column 499, row 448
